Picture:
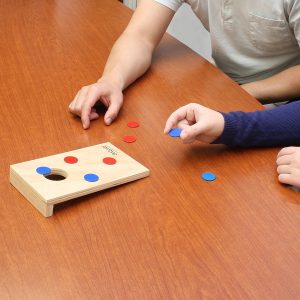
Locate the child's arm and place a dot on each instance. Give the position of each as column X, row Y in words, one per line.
column 274, row 127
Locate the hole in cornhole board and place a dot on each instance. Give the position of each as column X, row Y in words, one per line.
column 56, row 175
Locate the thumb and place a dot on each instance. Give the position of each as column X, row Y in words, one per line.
column 190, row 133
column 113, row 111
column 93, row 115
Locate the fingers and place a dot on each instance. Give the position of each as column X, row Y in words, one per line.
column 86, row 103
column 75, row 106
column 94, row 115
column 177, row 116
column 284, row 169
column 290, row 179
column 183, row 124
column 196, row 122
column 190, row 133
column 113, row 109
column 88, row 96
column 284, row 160
column 284, row 178
column 289, row 166
column 187, row 113
column 287, row 151
column 82, row 105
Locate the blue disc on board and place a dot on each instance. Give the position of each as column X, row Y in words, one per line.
column 175, row 132
column 207, row 176
column 91, row 177
column 43, row 170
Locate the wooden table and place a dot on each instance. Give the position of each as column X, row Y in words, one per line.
column 168, row 236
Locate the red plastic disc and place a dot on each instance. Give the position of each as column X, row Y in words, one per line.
column 129, row 138
column 109, row 160
column 133, row 124
column 71, row 159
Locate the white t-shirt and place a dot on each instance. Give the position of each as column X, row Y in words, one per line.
column 251, row 39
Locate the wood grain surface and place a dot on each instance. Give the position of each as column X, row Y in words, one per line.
column 168, row 236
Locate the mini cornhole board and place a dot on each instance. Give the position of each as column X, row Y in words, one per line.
column 61, row 177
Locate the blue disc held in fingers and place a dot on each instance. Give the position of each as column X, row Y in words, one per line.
column 175, row 132
column 208, row 176
column 91, row 177
column 43, row 170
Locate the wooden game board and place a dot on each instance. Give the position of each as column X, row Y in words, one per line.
column 61, row 177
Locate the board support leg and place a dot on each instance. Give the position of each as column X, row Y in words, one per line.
column 48, row 212
column 45, row 209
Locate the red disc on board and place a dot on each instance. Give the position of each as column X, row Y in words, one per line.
column 71, row 159
column 109, row 160
column 129, row 138
column 133, row 124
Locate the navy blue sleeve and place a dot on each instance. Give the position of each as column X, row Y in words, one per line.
column 279, row 126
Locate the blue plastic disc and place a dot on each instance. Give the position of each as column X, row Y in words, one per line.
column 175, row 132
column 91, row 177
column 208, row 176
column 43, row 170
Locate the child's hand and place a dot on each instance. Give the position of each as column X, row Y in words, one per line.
column 288, row 162
column 83, row 103
column 197, row 123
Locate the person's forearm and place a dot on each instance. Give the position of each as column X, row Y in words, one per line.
column 280, row 87
column 129, row 59
column 274, row 127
